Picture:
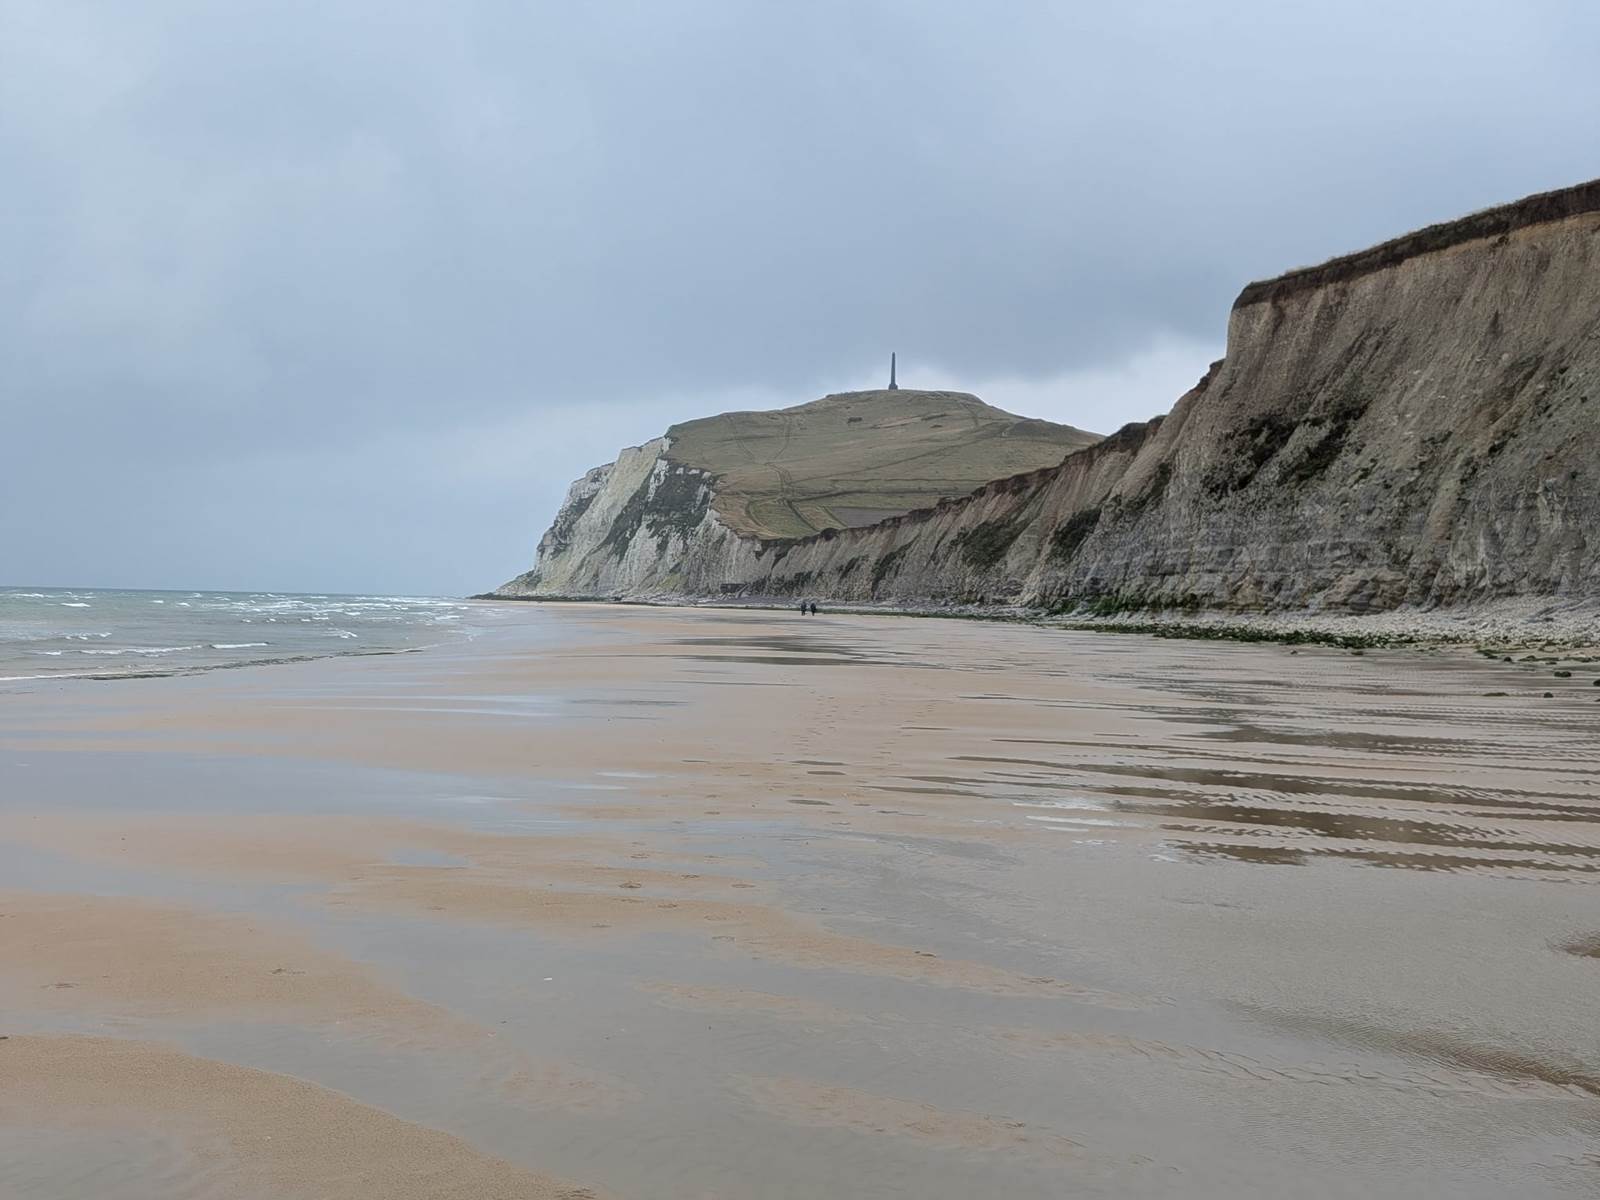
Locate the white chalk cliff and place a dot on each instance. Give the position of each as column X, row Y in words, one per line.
column 1413, row 425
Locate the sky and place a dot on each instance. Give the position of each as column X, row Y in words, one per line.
column 342, row 294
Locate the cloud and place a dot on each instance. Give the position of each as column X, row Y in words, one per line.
column 1101, row 398
column 313, row 250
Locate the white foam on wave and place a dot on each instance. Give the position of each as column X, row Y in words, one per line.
column 387, row 624
column 143, row 650
column 46, row 675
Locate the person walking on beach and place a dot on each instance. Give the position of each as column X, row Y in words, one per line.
column 805, row 609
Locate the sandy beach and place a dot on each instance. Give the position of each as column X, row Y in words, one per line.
column 683, row 904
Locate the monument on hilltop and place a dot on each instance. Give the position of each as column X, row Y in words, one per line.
column 893, row 386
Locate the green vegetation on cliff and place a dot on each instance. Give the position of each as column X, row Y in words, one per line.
column 855, row 458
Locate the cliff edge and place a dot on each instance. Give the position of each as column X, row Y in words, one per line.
column 1409, row 426
column 683, row 513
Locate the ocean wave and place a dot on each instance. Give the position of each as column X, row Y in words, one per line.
column 202, row 668
column 47, row 675
column 143, row 650
column 126, row 639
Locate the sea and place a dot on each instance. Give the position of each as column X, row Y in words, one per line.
column 93, row 633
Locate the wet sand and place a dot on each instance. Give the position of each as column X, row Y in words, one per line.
column 687, row 903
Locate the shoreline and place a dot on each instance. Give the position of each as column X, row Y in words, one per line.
column 1511, row 625
column 207, row 668
column 105, row 634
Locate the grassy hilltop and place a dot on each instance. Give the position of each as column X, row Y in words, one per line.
column 854, row 458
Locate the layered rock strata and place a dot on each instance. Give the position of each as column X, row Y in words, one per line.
column 692, row 511
column 1413, row 425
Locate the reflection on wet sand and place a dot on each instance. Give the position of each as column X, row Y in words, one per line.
column 1462, row 1072
column 215, row 1129
column 1290, row 818
column 1587, row 946
column 690, row 904
column 1525, row 1071
column 811, row 1103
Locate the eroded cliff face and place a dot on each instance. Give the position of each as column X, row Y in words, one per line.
column 1412, row 425
column 1385, row 430
column 642, row 525
column 692, row 513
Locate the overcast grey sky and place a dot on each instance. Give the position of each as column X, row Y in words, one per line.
column 341, row 294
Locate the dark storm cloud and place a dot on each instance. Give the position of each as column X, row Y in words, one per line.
column 342, row 294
